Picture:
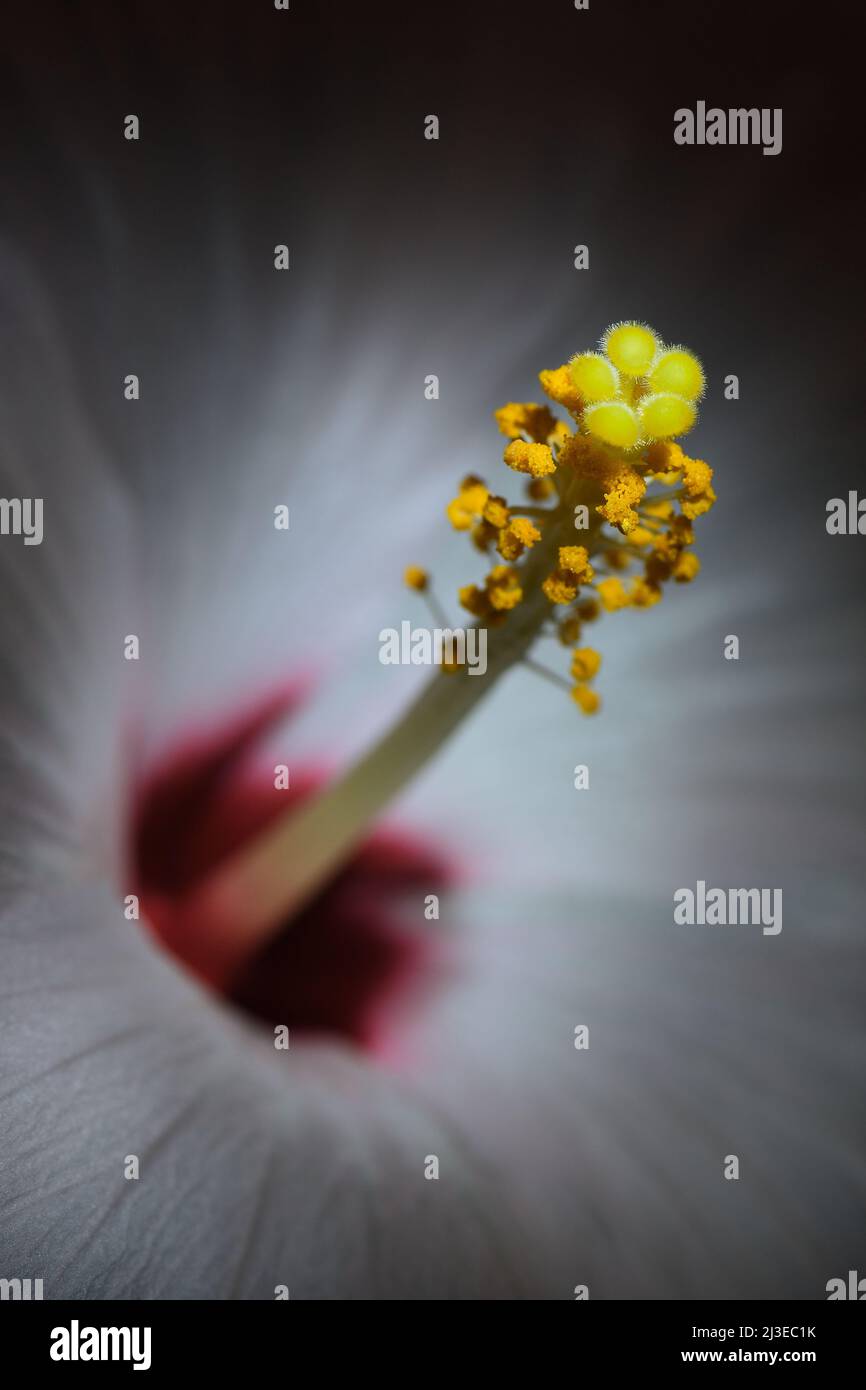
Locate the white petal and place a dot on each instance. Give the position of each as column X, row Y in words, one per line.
column 257, row 1167
column 68, row 604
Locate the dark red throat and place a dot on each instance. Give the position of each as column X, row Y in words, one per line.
column 358, row 949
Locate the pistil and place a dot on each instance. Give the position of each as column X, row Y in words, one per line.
column 255, row 892
column 626, row 403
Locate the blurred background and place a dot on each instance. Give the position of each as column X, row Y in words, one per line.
column 455, row 257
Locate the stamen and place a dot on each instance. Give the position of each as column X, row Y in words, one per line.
column 599, row 478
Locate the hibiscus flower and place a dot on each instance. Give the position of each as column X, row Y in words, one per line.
column 437, row 1126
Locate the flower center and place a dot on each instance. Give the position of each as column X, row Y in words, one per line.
column 347, row 961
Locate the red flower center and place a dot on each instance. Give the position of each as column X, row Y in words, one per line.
column 340, row 965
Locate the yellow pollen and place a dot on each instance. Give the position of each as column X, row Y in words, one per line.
column 686, row 567
column 516, row 537
column 495, row 511
column 558, row 385
column 483, row 535
column 619, row 506
column 585, row 663
column 586, row 698
column 641, row 536
column 575, row 559
column 697, row 477
column 467, row 506
column 644, row 594
column 503, row 588
column 612, row 594
column 559, row 435
column 529, row 458
column 560, row 586
column 515, row 419
column 613, row 462
column 416, row 578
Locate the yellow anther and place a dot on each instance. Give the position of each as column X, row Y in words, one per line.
column 559, row 435
column 558, row 385
column 484, row 535
column 697, row 476
column 416, row 578
column 639, row 535
column 697, row 484
column 666, row 546
column 560, row 587
column 612, row 594
column 621, row 500
column 508, row 546
column 517, row 418
column 524, row 530
column 503, row 588
column 664, row 457
column 586, row 698
column 575, row 559
column 496, row 512
column 474, row 600
column 585, row 663
column 467, row 506
column 644, row 593
column 661, row 510
column 516, row 537
column 686, row 567
column 682, row 529
column 577, row 451
column 628, row 401
column 529, row 458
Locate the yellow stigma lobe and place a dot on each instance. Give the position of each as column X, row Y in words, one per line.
column 594, row 376
column 664, row 415
column 613, row 422
column 680, row 372
column 631, row 347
